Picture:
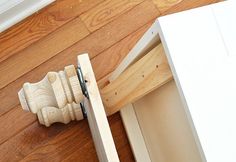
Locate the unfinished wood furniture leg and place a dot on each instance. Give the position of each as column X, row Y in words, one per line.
column 72, row 94
column 58, row 97
column 66, row 96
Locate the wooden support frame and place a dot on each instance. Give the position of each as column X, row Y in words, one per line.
column 99, row 126
column 148, row 73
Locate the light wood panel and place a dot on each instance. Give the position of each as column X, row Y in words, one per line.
column 41, row 24
column 97, row 119
column 165, row 126
column 106, row 11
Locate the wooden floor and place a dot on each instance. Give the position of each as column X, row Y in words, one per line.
column 51, row 39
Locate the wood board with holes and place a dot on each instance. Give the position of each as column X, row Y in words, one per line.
column 193, row 117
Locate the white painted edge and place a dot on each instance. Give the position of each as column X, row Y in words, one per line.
column 12, row 14
column 166, row 49
column 129, row 118
column 8, row 4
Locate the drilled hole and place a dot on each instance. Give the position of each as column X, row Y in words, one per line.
column 157, row 66
column 115, row 93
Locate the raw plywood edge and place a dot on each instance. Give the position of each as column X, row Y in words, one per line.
column 134, row 134
column 99, row 126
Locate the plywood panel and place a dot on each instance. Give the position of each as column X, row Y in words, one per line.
column 165, row 126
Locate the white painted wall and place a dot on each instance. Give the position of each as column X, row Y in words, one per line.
column 13, row 11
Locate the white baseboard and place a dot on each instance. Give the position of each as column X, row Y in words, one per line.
column 13, row 11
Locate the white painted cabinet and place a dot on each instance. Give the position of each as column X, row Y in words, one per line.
column 192, row 118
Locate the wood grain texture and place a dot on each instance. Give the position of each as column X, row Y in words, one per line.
column 120, row 139
column 41, row 24
column 25, row 138
column 41, row 51
column 116, row 53
column 148, row 73
column 101, row 43
column 188, row 4
column 39, row 143
column 164, row 5
column 106, row 11
column 96, row 114
column 16, row 121
column 116, row 30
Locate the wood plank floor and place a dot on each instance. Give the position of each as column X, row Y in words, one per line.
column 51, row 39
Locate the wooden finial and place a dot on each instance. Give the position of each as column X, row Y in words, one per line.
column 56, row 98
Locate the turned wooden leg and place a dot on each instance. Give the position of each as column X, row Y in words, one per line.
column 56, row 98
